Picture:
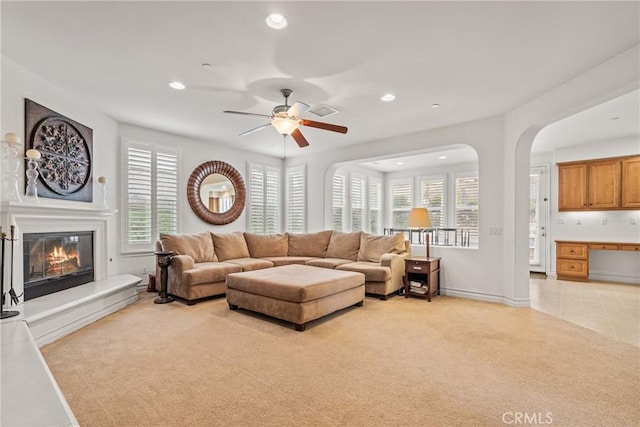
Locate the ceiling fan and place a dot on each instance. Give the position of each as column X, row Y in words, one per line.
column 286, row 119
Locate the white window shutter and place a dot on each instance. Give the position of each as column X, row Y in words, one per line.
column 264, row 199
column 432, row 195
column 467, row 201
column 375, row 205
column 357, row 202
column 401, row 201
column 295, row 203
column 339, row 185
column 139, row 178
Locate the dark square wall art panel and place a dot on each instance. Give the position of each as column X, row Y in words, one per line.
column 67, row 150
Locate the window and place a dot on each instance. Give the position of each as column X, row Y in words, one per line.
column 401, row 201
column 295, row 194
column 339, row 200
column 467, row 201
column 432, row 197
column 375, row 205
column 151, row 194
column 357, row 202
column 264, row 199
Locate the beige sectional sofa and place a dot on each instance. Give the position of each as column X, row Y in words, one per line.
column 202, row 261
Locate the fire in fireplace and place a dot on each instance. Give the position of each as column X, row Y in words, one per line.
column 56, row 261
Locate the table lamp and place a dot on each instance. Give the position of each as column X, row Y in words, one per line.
column 419, row 218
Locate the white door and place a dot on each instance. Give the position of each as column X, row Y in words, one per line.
column 538, row 213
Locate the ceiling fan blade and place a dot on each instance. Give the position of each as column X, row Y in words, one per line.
column 255, row 129
column 246, row 114
column 325, row 126
column 296, row 109
column 300, row 139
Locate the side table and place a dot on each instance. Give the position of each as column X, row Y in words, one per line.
column 425, row 272
column 164, row 261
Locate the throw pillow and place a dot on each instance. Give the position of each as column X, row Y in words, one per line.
column 309, row 244
column 261, row 246
column 344, row 245
column 373, row 247
column 230, row 245
column 197, row 246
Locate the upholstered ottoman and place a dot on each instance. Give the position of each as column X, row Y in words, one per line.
column 295, row 293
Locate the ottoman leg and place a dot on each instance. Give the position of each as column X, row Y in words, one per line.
column 233, row 306
column 300, row 327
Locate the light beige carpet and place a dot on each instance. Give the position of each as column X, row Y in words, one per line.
column 401, row 362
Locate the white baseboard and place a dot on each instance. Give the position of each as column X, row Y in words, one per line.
column 480, row 296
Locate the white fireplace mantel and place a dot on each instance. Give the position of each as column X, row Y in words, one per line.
column 52, row 216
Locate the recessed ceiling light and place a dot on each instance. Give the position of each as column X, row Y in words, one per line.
column 442, row 157
column 435, row 105
column 399, row 163
column 388, row 97
column 177, row 85
column 276, row 21
column 615, row 118
column 207, row 67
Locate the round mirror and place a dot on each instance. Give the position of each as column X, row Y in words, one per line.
column 216, row 192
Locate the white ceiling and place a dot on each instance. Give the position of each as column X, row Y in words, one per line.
column 476, row 59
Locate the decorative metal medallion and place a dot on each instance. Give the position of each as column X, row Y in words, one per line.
column 66, row 162
column 66, row 147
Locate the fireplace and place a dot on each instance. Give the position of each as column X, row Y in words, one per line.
column 56, row 261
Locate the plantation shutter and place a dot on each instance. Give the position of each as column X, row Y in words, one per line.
column 150, row 194
column 272, row 201
column 401, row 201
column 139, row 224
column 357, row 202
column 295, row 192
column 432, row 194
column 264, row 199
column 338, row 200
column 166, row 193
column 467, row 201
column 375, row 206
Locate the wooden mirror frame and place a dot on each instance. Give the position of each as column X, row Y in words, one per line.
column 193, row 192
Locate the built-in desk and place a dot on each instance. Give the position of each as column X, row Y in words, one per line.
column 572, row 257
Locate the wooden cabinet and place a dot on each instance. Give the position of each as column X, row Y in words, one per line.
column 602, row 184
column 572, row 183
column 631, row 183
column 572, row 261
column 572, row 258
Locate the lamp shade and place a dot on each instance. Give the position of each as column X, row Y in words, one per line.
column 419, row 217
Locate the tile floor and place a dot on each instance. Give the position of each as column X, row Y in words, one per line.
column 612, row 309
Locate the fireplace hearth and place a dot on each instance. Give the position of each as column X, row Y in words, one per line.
column 56, row 261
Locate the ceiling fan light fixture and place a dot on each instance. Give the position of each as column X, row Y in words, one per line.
column 276, row 21
column 285, row 125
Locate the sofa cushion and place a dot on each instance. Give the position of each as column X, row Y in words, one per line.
column 373, row 247
column 288, row 260
column 309, row 244
column 230, row 245
column 197, row 246
column 343, row 245
column 250, row 264
column 327, row 262
column 208, row 272
column 261, row 246
column 372, row 271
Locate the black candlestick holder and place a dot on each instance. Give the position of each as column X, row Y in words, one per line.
column 3, row 237
column 164, row 261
